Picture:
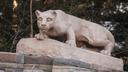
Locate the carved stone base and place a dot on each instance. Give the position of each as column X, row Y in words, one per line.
column 58, row 53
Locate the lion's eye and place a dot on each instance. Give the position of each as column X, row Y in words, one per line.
column 49, row 19
column 40, row 19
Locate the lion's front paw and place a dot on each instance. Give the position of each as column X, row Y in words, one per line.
column 39, row 36
column 71, row 43
column 105, row 52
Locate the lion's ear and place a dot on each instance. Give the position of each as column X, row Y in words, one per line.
column 37, row 12
column 54, row 13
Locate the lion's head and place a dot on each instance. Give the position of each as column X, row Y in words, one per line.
column 45, row 20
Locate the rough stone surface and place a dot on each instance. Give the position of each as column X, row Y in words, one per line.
column 33, row 71
column 75, row 56
column 70, row 69
column 7, row 57
column 2, row 71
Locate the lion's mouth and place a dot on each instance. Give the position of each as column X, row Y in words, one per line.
column 44, row 28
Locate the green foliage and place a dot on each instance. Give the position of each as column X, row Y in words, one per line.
column 126, row 67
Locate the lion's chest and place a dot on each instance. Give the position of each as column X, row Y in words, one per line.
column 55, row 32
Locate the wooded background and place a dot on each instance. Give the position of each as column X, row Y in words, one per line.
column 16, row 22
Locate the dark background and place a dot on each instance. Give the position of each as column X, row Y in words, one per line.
column 112, row 14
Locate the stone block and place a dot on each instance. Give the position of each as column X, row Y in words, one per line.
column 71, row 69
column 65, row 54
column 7, row 57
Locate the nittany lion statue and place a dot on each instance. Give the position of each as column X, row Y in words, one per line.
column 57, row 22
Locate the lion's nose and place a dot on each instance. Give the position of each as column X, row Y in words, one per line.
column 43, row 25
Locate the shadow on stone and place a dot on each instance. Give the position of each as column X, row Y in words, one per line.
column 70, row 62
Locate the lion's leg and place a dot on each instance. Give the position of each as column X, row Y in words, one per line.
column 71, row 39
column 41, row 35
column 108, row 46
column 98, row 42
column 108, row 49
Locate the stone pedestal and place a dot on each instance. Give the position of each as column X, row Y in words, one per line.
column 71, row 69
column 58, row 53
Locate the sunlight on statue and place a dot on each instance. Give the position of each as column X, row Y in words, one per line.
column 57, row 22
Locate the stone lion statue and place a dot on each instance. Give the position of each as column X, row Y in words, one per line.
column 56, row 22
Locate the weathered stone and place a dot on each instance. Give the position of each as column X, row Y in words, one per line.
column 53, row 49
column 12, row 67
column 2, row 71
column 33, row 70
column 38, row 60
column 71, row 69
column 7, row 57
column 9, row 70
column 20, row 58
